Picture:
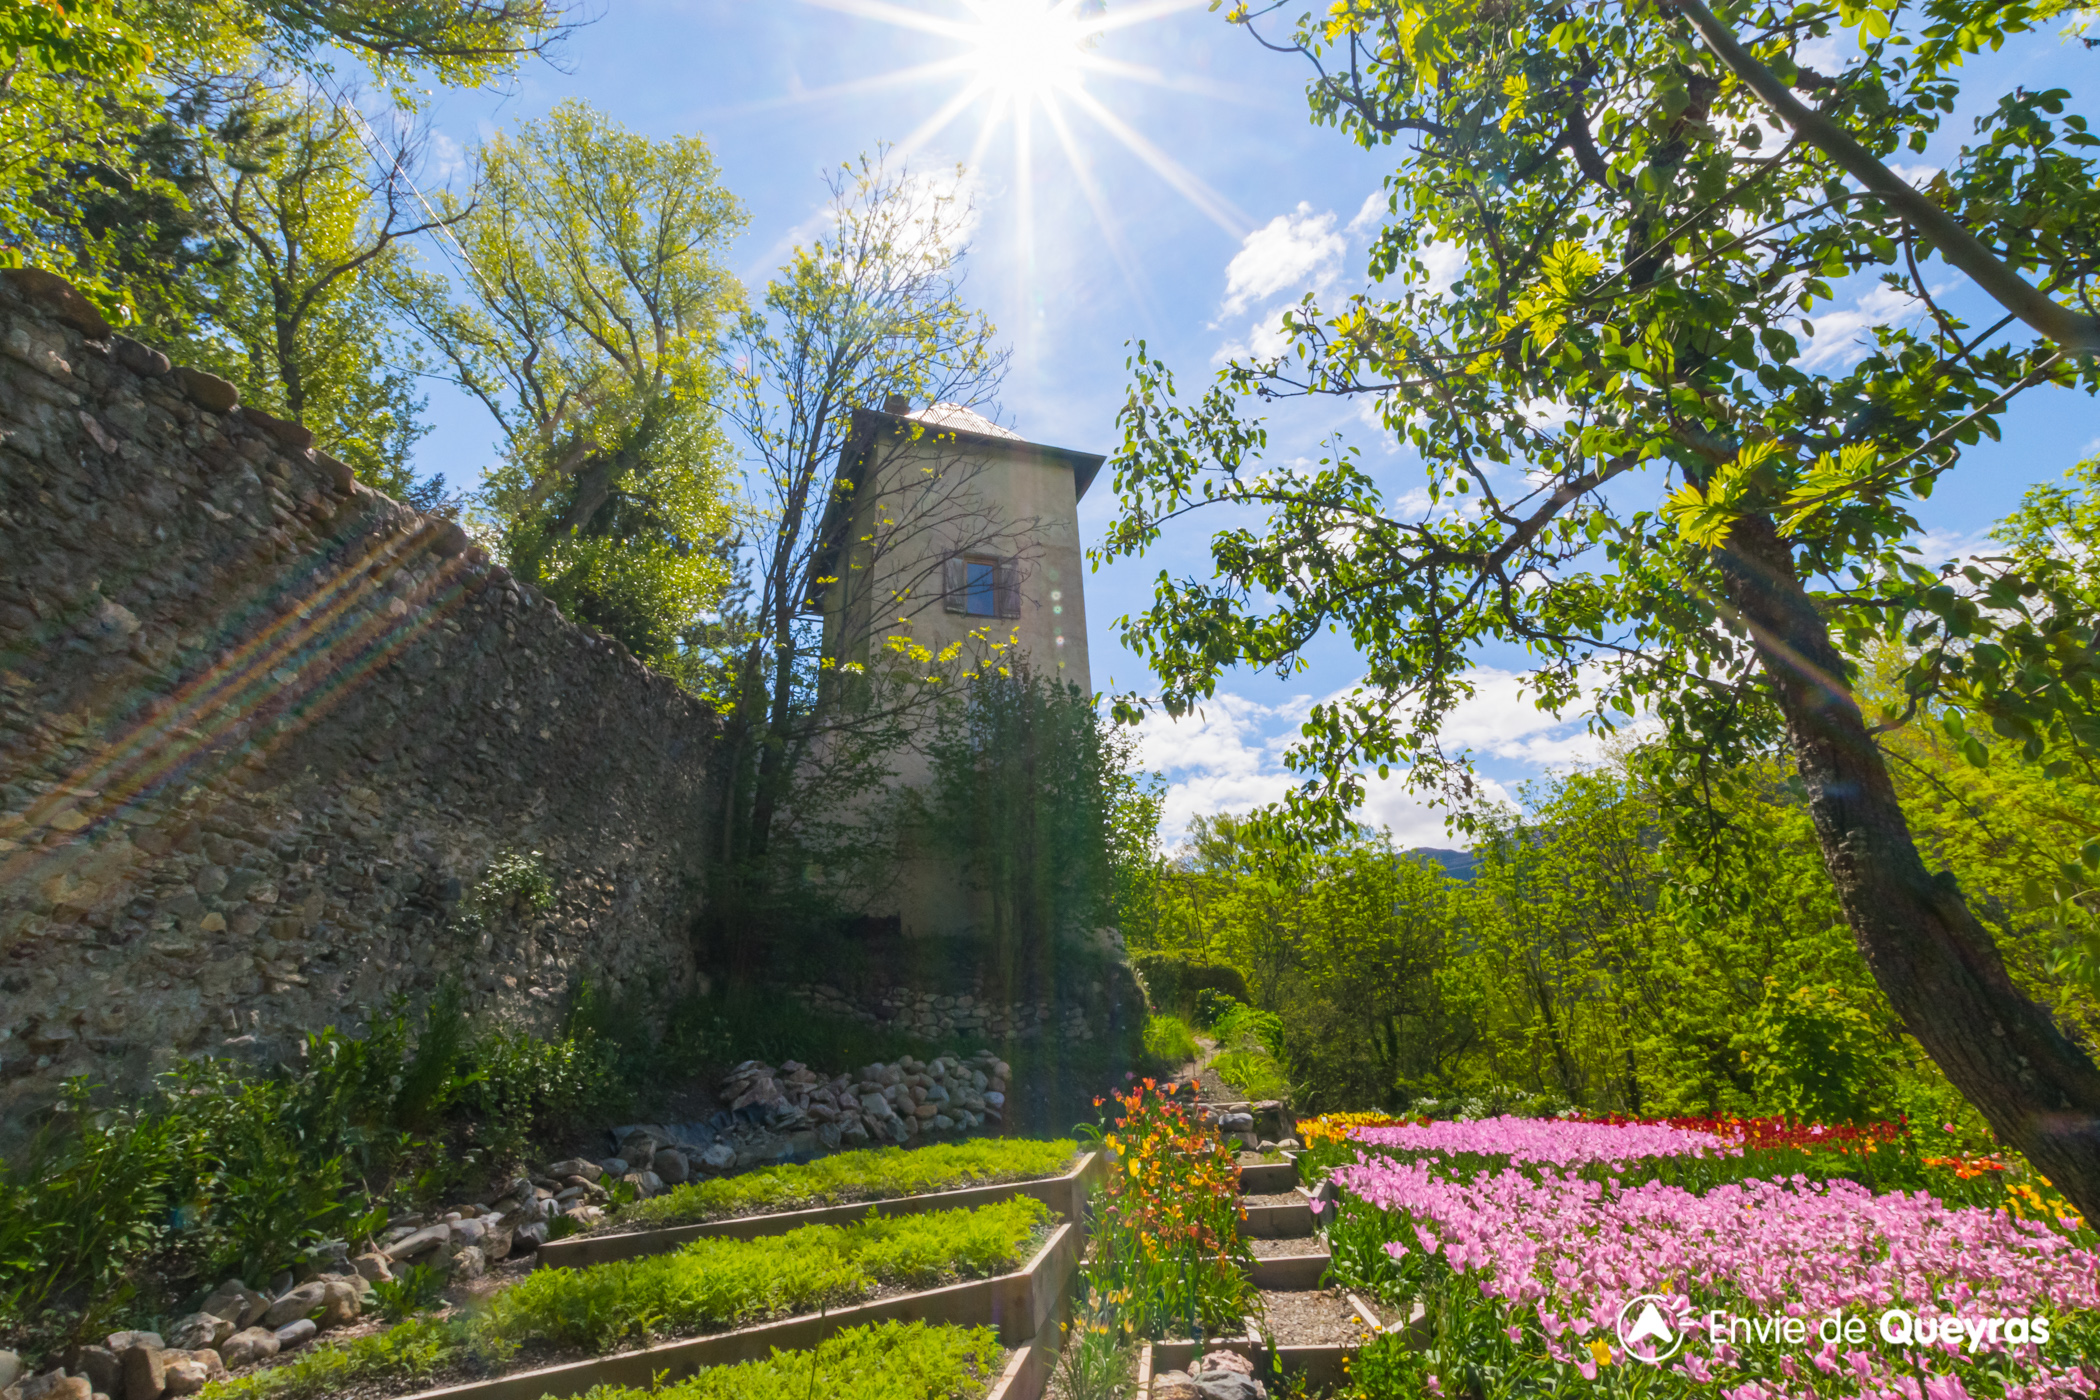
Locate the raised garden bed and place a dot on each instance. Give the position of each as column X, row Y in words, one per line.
column 557, row 1318
column 1268, row 1178
column 1281, row 1220
column 1300, row 1269
column 885, row 1361
column 1015, row 1305
column 1064, row 1193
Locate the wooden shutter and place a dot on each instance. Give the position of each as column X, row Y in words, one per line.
column 955, row 584
column 1009, row 588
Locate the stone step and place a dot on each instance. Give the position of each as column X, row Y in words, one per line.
column 1290, row 1221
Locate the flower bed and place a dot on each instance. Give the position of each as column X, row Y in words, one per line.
column 1525, row 1270
column 893, row 1361
column 850, row 1177
column 1168, row 1258
column 709, row 1285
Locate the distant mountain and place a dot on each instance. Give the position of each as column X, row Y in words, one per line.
column 1459, row 865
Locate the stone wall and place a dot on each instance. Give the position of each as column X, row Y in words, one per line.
column 939, row 1015
column 260, row 728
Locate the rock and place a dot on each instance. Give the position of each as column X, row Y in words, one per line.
column 340, row 1305
column 1222, row 1360
column 720, row 1157
column 61, row 298
column 145, row 1372
column 248, row 1346
column 1265, row 1146
column 295, row 436
column 1174, row 1385
column 207, row 391
column 466, row 1232
column 303, row 1301
column 10, row 1369
column 200, row 1329
column 670, row 1164
column 575, row 1166
column 56, row 1385
column 237, row 1303
column 184, row 1374
column 1236, row 1122
column 372, row 1267
column 1290, row 1144
column 498, row 1242
column 527, row 1238
column 422, row 1242
column 470, row 1262
column 120, row 1342
column 615, row 1167
column 292, row 1334
column 103, row 1371
column 142, row 360
column 1229, row 1385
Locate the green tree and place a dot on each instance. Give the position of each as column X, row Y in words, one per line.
column 821, row 682
column 1665, row 501
column 1023, row 789
column 297, row 312
column 592, row 295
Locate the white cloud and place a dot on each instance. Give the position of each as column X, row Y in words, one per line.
column 1371, row 215
column 1228, row 755
column 1842, row 340
column 1300, row 250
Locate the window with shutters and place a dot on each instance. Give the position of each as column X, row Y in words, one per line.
column 980, row 585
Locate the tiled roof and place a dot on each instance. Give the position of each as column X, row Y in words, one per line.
column 963, row 420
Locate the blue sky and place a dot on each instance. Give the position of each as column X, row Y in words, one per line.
column 1087, row 245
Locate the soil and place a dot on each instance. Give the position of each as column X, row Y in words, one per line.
column 1388, row 1315
column 1317, row 1317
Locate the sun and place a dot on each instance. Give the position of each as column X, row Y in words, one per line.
column 1027, row 49
column 1024, row 68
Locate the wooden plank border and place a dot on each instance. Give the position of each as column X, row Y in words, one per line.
column 1064, row 1194
column 1268, row 1178
column 1285, row 1222
column 1290, row 1273
column 1018, row 1304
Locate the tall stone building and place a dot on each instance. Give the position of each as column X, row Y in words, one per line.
column 951, row 531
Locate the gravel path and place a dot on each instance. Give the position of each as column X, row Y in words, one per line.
column 1315, row 1318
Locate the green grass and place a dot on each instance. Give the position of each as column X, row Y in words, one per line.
column 874, row 1174
column 719, row 1283
column 1169, row 1038
column 414, row 1349
column 1252, row 1072
column 890, row 1361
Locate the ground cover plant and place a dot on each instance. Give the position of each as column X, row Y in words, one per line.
column 873, row 1174
column 1168, row 1259
column 718, row 1283
column 888, row 1361
column 1524, row 1244
column 1169, row 1040
column 709, row 1285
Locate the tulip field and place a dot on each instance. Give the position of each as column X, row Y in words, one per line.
column 1782, row 1262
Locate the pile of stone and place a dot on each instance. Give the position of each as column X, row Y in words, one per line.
column 1219, row 1375
column 234, row 1326
column 462, row 1243
column 883, row 1103
column 1262, row 1126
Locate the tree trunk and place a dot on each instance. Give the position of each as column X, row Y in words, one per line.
column 1936, row 963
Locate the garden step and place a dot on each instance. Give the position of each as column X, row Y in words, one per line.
column 1268, row 1178
column 1019, row 1305
column 1064, row 1194
column 1290, row 1272
column 1278, row 1222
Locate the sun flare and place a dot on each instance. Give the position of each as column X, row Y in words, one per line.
column 1026, row 49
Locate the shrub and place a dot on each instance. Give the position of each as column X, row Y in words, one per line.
column 1173, row 981
column 420, row 1288
column 872, row 1174
column 888, row 1361
column 718, row 1283
column 1252, row 1073
column 1169, row 1040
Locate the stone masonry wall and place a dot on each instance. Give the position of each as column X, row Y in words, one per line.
column 260, row 727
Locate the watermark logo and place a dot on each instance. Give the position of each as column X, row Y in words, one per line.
column 1645, row 1329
